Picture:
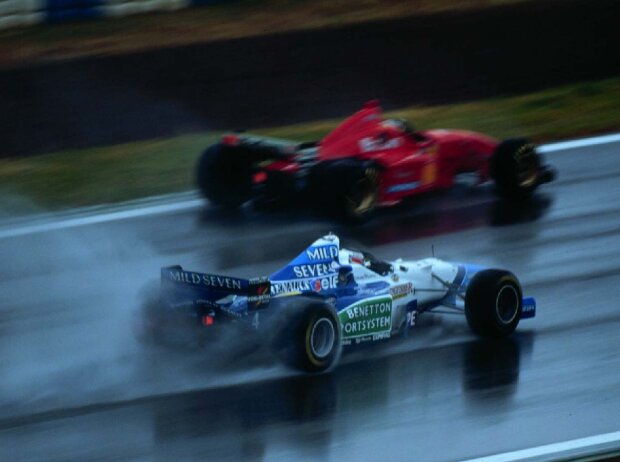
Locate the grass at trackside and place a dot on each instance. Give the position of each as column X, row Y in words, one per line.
column 139, row 169
column 563, row 112
column 100, row 175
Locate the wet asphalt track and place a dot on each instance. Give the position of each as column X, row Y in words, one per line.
column 77, row 386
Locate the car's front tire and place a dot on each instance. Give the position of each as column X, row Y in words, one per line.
column 516, row 168
column 493, row 303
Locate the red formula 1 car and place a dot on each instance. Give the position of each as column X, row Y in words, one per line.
column 364, row 163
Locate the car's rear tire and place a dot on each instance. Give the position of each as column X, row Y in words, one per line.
column 350, row 188
column 308, row 336
column 515, row 169
column 359, row 201
column 493, row 303
column 224, row 176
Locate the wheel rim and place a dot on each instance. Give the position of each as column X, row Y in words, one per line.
column 507, row 304
column 322, row 338
column 527, row 167
column 363, row 195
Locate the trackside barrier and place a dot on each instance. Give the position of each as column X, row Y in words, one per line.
column 15, row 13
column 127, row 7
column 69, row 10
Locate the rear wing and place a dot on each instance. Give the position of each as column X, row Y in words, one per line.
column 178, row 284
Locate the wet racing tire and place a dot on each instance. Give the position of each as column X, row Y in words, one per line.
column 515, row 169
column 224, row 176
column 308, row 336
column 350, row 188
column 148, row 320
column 493, row 303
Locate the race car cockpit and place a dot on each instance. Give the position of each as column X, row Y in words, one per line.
column 405, row 127
column 375, row 265
column 369, row 261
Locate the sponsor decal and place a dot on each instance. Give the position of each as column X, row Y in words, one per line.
column 369, row 317
column 328, row 283
column 401, row 290
column 412, row 318
column 403, row 187
column 324, row 252
column 207, row 280
column 381, row 335
column 378, row 144
column 357, row 260
column 305, row 285
column 314, row 270
column 429, row 173
column 366, row 338
column 295, row 285
column 366, row 275
column 231, row 312
column 259, row 299
column 261, row 289
column 528, row 308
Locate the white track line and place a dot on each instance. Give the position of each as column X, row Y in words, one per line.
column 581, row 447
column 580, row 143
column 101, row 217
column 167, row 204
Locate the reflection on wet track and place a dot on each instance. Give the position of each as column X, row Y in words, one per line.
column 322, row 403
column 76, row 385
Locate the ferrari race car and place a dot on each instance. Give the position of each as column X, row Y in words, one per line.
column 330, row 297
column 364, row 163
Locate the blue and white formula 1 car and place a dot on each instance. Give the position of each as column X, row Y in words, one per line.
column 330, row 297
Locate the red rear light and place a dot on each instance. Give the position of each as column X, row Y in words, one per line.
column 207, row 320
column 259, row 177
column 230, row 140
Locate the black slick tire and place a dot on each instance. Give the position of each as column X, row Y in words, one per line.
column 515, row 169
column 224, row 176
column 493, row 303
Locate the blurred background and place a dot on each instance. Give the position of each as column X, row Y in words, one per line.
column 105, row 107
column 122, row 96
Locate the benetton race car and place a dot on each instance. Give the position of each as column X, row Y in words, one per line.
column 330, row 297
column 365, row 163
